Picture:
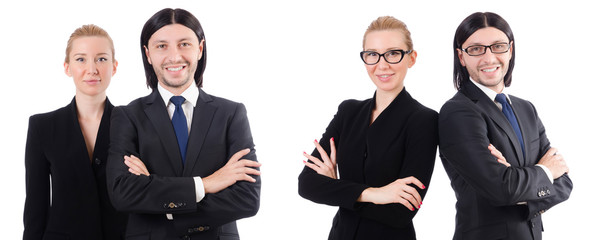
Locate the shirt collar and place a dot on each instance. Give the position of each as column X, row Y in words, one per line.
column 191, row 94
column 489, row 92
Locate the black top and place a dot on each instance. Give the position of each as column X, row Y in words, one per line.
column 58, row 166
column 401, row 142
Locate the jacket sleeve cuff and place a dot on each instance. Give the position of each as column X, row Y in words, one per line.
column 547, row 171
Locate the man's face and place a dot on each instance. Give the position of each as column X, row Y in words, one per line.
column 173, row 51
column 490, row 68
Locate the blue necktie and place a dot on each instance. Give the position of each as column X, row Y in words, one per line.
column 507, row 110
column 179, row 121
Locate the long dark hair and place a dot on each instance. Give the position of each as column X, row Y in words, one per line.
column 469, row 26
column 165, row 17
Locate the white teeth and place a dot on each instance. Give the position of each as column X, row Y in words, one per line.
column 175, row 69
column 489, row 70
column 385, row 76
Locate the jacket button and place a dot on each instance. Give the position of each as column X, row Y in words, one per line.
column 171, row 205
column 186, row 237
column 98, row 161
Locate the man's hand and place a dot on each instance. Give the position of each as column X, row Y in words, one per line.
column 136, row 166
column 236, row 169
column 500, row 158
column 554, row 162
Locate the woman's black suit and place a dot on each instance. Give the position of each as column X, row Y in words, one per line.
column 66, row 191
column 401, row 142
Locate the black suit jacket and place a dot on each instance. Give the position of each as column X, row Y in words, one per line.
column 402, row 142
column 219, row 129
column 79, row 207
column 488, row 193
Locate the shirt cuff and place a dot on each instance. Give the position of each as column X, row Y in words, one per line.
column 199, row 189
column 547, row 171
column 199, row 193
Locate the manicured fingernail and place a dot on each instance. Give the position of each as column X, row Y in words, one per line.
column 424, row 187
column 332, row 138
column 305, row 162
column 304, row 152
column 315, row 140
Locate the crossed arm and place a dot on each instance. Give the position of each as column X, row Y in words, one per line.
column 236, row 169
column 398, row 191
column 552, row 160
column 465, row 138
column 232, row 190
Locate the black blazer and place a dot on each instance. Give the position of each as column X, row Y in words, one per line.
column 79, row 207
column 488, row 192
column 402, row 142
column 219, row 129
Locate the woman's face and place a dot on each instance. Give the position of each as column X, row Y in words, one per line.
column 388, row 77
column 91, row 65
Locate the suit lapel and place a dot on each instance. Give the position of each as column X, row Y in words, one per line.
column 103, row 133
column 81, row 163
column 491, row 109
column 523, row 121
column 158, row 116
column 202, row 118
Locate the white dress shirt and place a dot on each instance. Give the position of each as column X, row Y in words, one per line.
column 191, row 95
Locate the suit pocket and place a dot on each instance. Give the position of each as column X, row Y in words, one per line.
column 228, row 231
column 49, row 235
column 488, row 232
column 229, row 237
column 138, row 236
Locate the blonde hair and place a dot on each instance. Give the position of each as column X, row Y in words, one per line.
column 389, row 23
column 89, row 30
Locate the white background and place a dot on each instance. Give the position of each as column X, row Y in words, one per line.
column 291, row 64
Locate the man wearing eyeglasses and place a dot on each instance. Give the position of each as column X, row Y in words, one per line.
column 493, row 145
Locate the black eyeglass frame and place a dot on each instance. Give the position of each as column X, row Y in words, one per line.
column 379, row 55
column 485, row 49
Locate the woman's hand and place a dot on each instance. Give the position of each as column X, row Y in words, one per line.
column 500, row 158
column 396, row 192
column 136, row 166
column 327, row 167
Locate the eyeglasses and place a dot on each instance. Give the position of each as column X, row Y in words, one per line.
column 478, row 50
column 392, row 56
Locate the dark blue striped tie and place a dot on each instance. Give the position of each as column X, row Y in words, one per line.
column 179, row 121
column 507, row 110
